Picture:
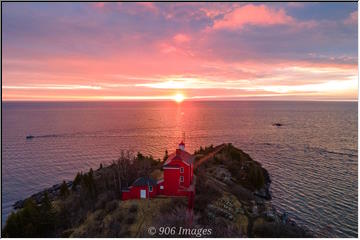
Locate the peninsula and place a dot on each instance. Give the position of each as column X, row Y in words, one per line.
column 222, row 192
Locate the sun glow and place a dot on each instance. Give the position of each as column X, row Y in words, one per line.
column 178, row 97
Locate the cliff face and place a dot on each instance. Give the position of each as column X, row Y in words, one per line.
column 232, row 200
column 233, row 190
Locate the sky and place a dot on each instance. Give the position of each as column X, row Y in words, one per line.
column 197, row 51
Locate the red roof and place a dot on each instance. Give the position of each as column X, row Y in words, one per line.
column 180, row 155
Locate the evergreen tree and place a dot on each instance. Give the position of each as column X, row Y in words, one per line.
column 46, row 205
column 166, row 155
column 64, row 190
column 47, row 220
column 76, row 181
column 24, row 223
column 89, row 183
column 12, row 228
column 32, row 220
column 140, row 156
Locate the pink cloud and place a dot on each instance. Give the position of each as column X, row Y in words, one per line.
column 167, row 48
column 149, row 6
column 130, row 61
column 181, row 38
column 215, row 11
column 176, row 50
column 253, row 15
column 352, row 19
column 99, row 4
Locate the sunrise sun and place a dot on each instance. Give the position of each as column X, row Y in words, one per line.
column 178, row 97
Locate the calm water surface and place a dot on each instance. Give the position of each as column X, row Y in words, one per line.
column 312, row 159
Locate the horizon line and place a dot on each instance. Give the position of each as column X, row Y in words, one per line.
column 187, row 100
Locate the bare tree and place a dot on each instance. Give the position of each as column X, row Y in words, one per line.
column 123, row 170
column 124, row 165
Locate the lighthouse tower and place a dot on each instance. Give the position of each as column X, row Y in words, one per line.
column 182, row 146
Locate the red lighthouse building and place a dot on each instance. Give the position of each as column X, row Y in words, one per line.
column 178, row 178
column 178, row 173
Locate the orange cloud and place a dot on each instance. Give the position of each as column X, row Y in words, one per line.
column 252, row 15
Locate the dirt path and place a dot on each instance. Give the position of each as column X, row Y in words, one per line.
column 209, row 156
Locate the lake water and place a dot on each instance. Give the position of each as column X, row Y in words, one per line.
column 312, row 158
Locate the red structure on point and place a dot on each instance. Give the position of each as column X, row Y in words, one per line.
column 178, row 179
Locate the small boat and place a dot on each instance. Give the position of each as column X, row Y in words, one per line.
column 29, row 137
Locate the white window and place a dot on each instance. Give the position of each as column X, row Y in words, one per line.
column 142, row 193
column 181, row 178
column 150, row 188
column 161, row 187
column 182, row 170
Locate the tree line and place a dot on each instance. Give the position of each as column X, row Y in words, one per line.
column 88, row 192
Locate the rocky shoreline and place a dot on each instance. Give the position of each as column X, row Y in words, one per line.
column 265, row 191
column 53, row 192
column 263, row 197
